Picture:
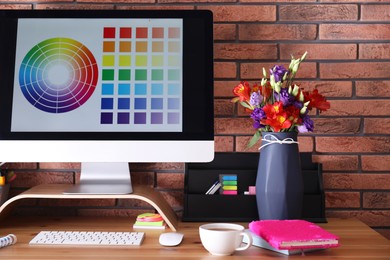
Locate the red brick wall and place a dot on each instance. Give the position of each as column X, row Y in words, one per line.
column 349, row 62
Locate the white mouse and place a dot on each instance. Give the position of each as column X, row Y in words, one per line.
column 170, row 239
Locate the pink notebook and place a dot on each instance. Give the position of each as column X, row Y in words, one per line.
column 293, row 234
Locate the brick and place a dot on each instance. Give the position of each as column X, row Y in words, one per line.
column 170, row 180
column 353, row 181
column 277, row 32
column 342, row 199
column 377, row 126
column 231, row 51
column 378, row 89
column 223, row 107
column 241, row 143
column 255, row 70
column 329, row 12
column 380, row 12
column 16, row 6
column 152, row 7
column 31, row 179
column 194, row 1
column 376, row 200
column 19, row 166
column 348, row 32
column 234, row 126
column 174, row 198
column 225, row 32
column 375, row 51
column 224, row 143
column 242, row 13
column 336, row 125
column 360, row 70
column 225, row 70
column 375, row 163
column 151, row 167
column 362, row 107
column 143, row 178
column 276, row 1
column 224, row 88
column 126, row 1
column 356, row 144
column 72, row 166
column 329, row 88
column 69, row 5
column 373, row 218
column 337, row 162
column 319, row 51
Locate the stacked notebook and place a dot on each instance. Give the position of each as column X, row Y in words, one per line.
column 149, row 221
column 291, row 236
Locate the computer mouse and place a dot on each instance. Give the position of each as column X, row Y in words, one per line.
column 171, row 238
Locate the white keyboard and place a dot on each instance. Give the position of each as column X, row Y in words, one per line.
column 88, row 238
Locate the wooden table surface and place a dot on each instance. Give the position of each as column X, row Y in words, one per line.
column 357, row 240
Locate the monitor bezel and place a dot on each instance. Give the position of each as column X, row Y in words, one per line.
column 198, row 116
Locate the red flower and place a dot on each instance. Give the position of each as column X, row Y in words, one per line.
column 293, row 114
column 277, row 118
column 243, row 91
column 316, row 100
column 266, row 91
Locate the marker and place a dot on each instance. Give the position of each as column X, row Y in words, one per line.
column 229, row 187
column 229, row 192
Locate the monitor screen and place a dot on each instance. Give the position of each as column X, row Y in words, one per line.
column 106, row 86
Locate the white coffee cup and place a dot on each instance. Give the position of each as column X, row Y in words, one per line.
column 223, row 238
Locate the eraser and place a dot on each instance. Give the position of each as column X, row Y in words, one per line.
column 252, row 190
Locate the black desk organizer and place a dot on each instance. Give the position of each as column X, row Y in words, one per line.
column 200, row 176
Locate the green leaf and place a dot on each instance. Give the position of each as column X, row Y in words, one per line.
column 244, row 104
column 236, row 99
column 255, row 138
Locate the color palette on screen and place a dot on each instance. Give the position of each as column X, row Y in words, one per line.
column 58, row 75
column 142, row 75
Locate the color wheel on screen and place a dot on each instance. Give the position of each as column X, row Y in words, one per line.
column 58, row 75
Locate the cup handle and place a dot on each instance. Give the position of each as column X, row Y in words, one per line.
column 249, row 243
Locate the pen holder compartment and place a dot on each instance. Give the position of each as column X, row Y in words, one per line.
column 199, row 177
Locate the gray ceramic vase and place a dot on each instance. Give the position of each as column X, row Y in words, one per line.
column 279, row 183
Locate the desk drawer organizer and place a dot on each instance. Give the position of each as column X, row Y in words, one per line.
column 200, row 176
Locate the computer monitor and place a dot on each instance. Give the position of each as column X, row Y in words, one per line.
column 106, row 88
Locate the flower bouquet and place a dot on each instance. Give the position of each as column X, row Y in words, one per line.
column 278, row 104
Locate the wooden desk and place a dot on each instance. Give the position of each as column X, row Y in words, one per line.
column 358, row 241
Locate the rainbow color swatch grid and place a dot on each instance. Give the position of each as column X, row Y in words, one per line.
column 141, row 75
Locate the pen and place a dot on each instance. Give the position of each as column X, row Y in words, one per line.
column 212, row 187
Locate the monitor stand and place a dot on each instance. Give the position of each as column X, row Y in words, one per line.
column 103, row 178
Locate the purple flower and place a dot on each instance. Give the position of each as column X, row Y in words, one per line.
column 307, row 126
column 286, row 98
column 255, row 99
column 257, row 114
column 278, row 72
column 298, row 104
